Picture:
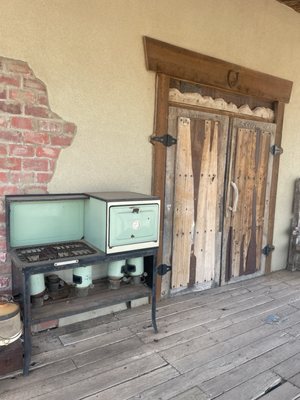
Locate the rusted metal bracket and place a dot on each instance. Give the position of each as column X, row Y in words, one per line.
column 166, row 140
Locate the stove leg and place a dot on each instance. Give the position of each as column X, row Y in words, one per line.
column 27, row 326
column 153, row 300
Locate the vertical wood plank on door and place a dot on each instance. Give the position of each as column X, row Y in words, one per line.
column 212, row 201
column 242, row 176
column 248, row 207
column 268, row 202
column 201, row 222
column 238, row 179
column 205, row 225
column 183, row 219
column 261, row 184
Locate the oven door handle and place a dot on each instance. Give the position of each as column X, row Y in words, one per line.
column 58, row 264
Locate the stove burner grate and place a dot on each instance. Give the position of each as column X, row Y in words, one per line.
column 54, row 251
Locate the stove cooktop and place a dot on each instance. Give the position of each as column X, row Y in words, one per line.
column 55, row 251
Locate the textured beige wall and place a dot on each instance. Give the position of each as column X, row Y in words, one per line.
column 90, row 55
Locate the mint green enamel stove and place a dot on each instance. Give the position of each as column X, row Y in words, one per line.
column 88, row 232
column 113, row 222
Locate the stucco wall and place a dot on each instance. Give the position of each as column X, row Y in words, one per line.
column 90, row 55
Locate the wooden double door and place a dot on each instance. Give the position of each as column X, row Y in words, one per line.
column 218, row 179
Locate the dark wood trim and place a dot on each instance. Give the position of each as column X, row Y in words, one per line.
column 159, row 156
column 279, row 113
column 188, row 65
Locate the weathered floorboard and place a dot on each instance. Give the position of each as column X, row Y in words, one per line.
column 238, row 342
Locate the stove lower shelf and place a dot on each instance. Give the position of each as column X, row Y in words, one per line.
column 99, row 296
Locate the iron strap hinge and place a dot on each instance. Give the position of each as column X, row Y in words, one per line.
column 268, row 249
column 276, row 150
column 162, row 269
column 166, row 140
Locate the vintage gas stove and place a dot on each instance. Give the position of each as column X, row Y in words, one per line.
column 49, row 233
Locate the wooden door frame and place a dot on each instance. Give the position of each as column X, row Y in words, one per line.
column 169, row 61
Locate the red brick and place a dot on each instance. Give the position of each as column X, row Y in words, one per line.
column 43, row 177
column 49, row 126
column 21, row 151
column 5, row 267
column 49, row 152
column 34, row 84
column 3, row 149
column 36, row 138
column 10, row 108
column 5, row 281
column 52, row 165
column 2, row 217
column 2, row 231
column 3, row 257
column 10, row 163
column 4, row 177
column 22, row 123
column 4, row 121
column 8, row 136
column 2, row 244
column 24, row 96
column 43, row 100
column 9, row 80
column 35, row 164
column 63, row 141
column 69, row 127
column 3, row 94
column 24, row 178
column 19, row 67
column 42, row 112
column 8, row 189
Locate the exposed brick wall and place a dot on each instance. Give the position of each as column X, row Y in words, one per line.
column 31, row 139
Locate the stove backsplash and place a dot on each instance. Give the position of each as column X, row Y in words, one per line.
column 40, row 222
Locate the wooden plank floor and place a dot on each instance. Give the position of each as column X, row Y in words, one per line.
column 237, row 342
